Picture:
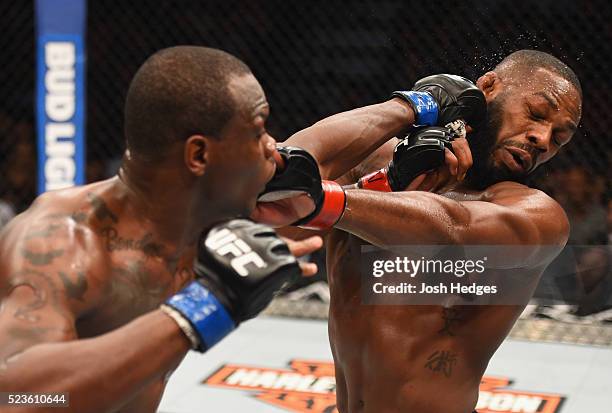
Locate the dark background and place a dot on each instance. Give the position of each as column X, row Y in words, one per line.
column 314, row 58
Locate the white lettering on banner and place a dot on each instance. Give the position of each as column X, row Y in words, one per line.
column 56, row 147
column 60, row 106
column 282, row 381
column 243, row 377
column 225, row 242
column 505, row 402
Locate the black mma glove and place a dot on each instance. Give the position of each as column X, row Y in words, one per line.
column 239, row 266
column 301, row 176
column 422, row 150
column 441, row 99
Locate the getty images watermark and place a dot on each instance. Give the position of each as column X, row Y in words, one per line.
column 460, row 275
column 424, row 267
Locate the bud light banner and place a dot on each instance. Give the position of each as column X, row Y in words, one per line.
column 60, row 93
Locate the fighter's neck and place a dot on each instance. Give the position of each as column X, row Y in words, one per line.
column 164, row 203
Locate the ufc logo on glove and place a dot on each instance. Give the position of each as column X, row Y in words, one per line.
column 225, row 242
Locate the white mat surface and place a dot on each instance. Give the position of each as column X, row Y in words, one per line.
column 253, row 374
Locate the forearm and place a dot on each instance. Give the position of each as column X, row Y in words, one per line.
column 403, row 218
column 341, row 141
column 102, row 373
column 423, row 218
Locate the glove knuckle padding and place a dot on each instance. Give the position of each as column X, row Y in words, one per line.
column 300, row 175
column 458, row 97
column 422, row 150
column 248, row 262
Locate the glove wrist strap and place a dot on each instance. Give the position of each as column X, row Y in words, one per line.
column 376, row 181
column 183, row 324
column 208, row 318
column 424, row 106
column 334, row 203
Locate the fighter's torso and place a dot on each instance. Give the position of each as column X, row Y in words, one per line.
column 405, row 358
column 123, row 273
column 396, row 359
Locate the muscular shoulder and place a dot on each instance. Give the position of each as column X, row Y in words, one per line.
column 522, row 197
column 49, row 257
column 52, row 244
column 54, row 218
column 533, row 205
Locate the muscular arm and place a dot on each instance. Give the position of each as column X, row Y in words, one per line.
column 512, row 215
column 39, row 347
column 341, row 141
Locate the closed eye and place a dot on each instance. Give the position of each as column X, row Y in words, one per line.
column 536, row 115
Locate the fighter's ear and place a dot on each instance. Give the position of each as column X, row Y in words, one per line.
column 196, row 154
column 490, row 83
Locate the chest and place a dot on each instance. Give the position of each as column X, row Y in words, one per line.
column 343, row 267
column 132, row 285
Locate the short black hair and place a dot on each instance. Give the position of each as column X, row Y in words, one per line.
column 176, row 93
column 528, row 59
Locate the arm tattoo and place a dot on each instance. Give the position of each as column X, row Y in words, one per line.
column 41, row 258
column 43, row 233
column 442, row 361
column 79, row 217
column 45, row 292
column 26, row 311
column 451, row 316
column 101, row 210
column 29, row 328
column 75, row 290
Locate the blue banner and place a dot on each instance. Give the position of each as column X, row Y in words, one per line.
column 60, row 93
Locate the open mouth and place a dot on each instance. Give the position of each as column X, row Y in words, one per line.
column 521, row 158
column 518, row 160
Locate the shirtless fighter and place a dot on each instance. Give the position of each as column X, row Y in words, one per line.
column 84, row 270
column 430, row 359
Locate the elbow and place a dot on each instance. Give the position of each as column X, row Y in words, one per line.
column 564, row 229
column 327, row 172
column 457, row 230
column 456, row 236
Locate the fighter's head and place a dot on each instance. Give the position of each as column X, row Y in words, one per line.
column 534, row 106
column 201, row 113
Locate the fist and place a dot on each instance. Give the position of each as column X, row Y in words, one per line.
column 421, row 151
column 296, row 195
column 457, row 98
column 239, row 267
column 243, row 264
column 442, row 99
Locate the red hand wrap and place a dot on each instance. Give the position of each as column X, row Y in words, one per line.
column 334, row 203
column 376, row 181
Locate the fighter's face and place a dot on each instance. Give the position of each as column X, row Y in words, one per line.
column 242, row 160
column 529, row 121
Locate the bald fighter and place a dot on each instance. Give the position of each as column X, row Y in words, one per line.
column 85, row 270
column 429, row 359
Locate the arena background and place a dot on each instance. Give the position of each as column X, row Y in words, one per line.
column 316, row 58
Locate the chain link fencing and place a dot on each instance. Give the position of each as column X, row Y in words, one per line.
column 315, row 58
column 17, row 144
